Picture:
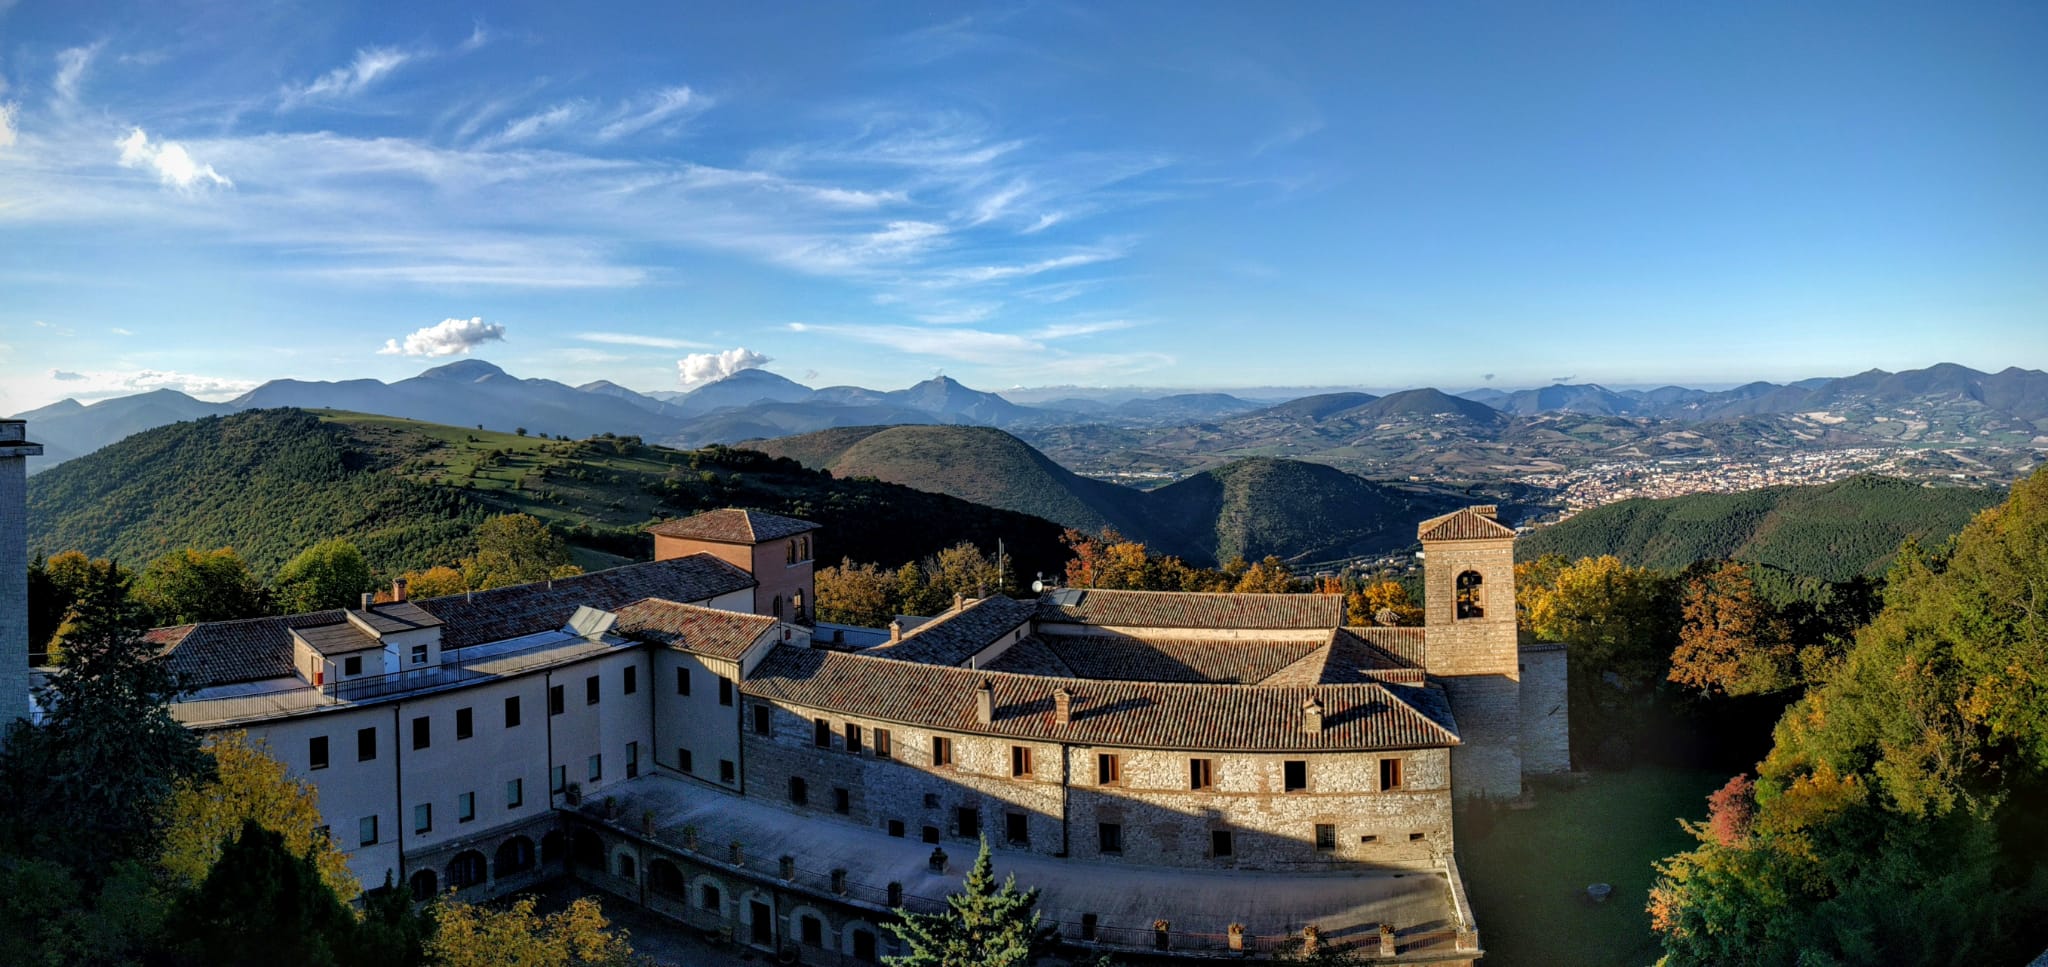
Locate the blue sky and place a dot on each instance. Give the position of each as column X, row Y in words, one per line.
column 1195, row 195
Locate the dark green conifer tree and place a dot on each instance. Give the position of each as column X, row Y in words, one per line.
column 984, row 925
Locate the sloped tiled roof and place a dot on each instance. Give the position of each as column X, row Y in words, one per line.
column 733, row 526
column 1462, row 525
column 1241, row 661
column 704, row 631
column 394, row 617
column 224, row 652
column 338, row 639
column 525, row 609
column 1133, row 714
column 1178, row 609
column 954, row 637
column 1030, row 657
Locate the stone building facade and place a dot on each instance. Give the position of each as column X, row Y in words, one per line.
column 15, row 449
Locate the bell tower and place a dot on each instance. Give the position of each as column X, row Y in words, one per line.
column 1468, row 574
column 15, row 449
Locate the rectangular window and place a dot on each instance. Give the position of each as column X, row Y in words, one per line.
column 590, row 690
column 632, row 759
column 1295, row 775
column 515, row 793
column 316, row 752
column 1390, row 773
column 1219, row 842
column 596, row 767
column 896, row 828
column 423, row 817
column 842, row 801
column 1201, row 773
column 942, row 751
column 813, row 931
column 465, row 807
column 1112, row 837
column 1017, row 829
column 1020, row 761
column 559, row 779
column 853, row 738
column 632, row 679
column 1109, row 770
column 422, row 732
column 419, row 654
column 555, row 700
column 724, row 690
column 821, row 733
column 883, row 748
column 761, row 723
column 366, row 744
column 799, row 790
column 685, row 761
column 352, row 665
column 1326, row 837
column 465, row 724
column 512, row 712
column 967, row 822
column 682, row 681
column 726, row 772
column 366, row 831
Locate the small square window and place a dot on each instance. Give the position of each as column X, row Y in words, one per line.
column 896, row 828
column 1326, row 836
column 1414, row 837
column 419, row 654
column 352, row 665
column 1295, row 777
column 515, row 793
column 366, row 744
column 1108, row 769
column 423, row 817
column 967, row 822
column 1020, row 761
column 942, row 751
column 1220, row 842
column 316, row 752
column 1390, row 773
column 1201, row 773
column 1017, row 829
column 726, row 771
column 465, row 724
column 465, row 807
column 821, row 733
column 930, row 834
column 685, row 761
column 366, row 831
column 1111, row 836
column 1368, row 838
column 884, row 747
column 842, row 801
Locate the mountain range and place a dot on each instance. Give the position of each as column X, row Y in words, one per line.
column 1473, row 435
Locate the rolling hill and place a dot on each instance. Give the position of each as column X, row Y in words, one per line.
column 1251, row 507
column 271, row 482
column 1834, row 531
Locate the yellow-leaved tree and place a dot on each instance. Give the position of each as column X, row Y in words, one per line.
column 471, row 936
column 247, row 784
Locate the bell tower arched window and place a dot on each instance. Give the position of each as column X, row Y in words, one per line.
column 1469, row 595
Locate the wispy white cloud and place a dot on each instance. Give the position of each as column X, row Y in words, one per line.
column 478, row 36
column 659, row 108
column 445, row 338
column 698, row 369
column 71, row 66
column 118, row 331
column 174, row 166
column 93, row 384
column 8, row 110
column 370, row 64
column 533, row 125
column 635, row 339
column 990, row 273
column 1068, row 330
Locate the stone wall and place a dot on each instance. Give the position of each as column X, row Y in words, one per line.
column 1061, row 805
column 1488, row 762
column 1546, row 710
column 14, row 702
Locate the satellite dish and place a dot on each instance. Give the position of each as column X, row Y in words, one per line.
column 1038, row 587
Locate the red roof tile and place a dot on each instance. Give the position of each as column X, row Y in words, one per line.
column 1177, row 609
column 704, row 631
column 733, row 526
column 1462, row 525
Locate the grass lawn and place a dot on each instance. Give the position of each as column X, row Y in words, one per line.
column 1527, row 874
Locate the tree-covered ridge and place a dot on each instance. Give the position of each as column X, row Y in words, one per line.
column 1834, row 532
column 272, row 483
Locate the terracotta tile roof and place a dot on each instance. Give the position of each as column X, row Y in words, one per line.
column 526, row 609
column 1030, row 657
column 733, row 526
column 954, row 637
column 224, row 652
column 338, row 639
column 1131, row 714
column 394, row 617
column 704, row 631
column 1218, row 660
column 1175, row 609
column 1462, row 525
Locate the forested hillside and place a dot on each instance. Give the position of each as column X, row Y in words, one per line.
column 1835, row 531
column 270, row 483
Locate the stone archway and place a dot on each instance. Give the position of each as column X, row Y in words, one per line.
column 424, row 885
column 467, row 869
column 515, row 855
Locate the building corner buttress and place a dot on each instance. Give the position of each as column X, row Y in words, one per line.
column 15, row 449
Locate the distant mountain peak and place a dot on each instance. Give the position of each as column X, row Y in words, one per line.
column 464, row 369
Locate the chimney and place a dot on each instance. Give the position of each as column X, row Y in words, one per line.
column 895, row 631
column 1488, row 511
column 959, row 600
column 1062, row 706
column 985, row 702
column 1312, row 717
column 398, row 590
column 369, row 601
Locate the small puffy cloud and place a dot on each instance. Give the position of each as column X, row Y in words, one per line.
column 370, row 64
column 446, row 338
column 68, row 377
column 696, row 369
column 174, row 166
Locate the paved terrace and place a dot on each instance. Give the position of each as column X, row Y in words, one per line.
column 1125, row 898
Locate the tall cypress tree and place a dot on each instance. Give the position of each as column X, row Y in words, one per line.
column 984, row 925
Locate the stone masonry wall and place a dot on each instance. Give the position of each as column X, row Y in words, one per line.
column 1489, row 712
column 1546, row 711
column 13, row 588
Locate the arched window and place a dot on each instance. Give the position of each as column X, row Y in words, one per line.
column 424, row 885
column 790, row 557
column 1469, row 595
column 467, row 870
column 663, row 877
column 797, row 607
column 709, row 899
column 803, row 550
column 627, row 868
column 515, row 856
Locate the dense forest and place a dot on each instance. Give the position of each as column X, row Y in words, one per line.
column 271, row 483
column 1833, row 532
